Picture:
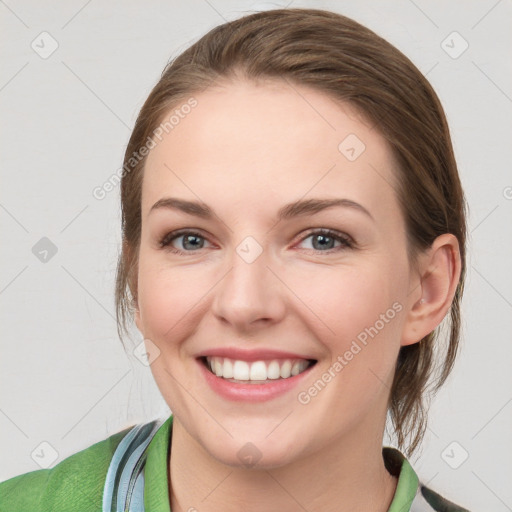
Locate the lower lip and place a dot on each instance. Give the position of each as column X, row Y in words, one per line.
column 250, row 392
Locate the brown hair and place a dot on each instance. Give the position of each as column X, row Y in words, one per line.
column 347, row 61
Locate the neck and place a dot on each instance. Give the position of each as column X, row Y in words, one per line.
column 347, row 475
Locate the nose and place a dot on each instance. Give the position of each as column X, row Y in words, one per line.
column 250, row 295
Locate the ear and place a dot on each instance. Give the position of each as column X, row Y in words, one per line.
column 433, row 288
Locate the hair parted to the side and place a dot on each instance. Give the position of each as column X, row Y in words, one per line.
column 345, row 60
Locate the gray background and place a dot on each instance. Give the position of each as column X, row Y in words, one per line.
column 66, row 118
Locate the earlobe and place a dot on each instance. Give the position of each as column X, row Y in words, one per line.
column 433, row 295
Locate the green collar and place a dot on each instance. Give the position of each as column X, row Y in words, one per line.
column 156, row 471
column 156, row 476
column 408, row 481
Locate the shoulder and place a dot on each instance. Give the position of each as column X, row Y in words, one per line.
column 410, row 491
column 427, row 499
column 76, row 483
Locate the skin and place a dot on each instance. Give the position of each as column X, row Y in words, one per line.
column 246, row 150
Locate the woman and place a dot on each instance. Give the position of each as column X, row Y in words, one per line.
column 294, row 234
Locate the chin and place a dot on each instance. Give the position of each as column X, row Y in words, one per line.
column 258, row 453
column 253, row 458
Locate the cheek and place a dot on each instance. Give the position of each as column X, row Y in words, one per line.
column 348, row 300
column 166, row 297
column 360, row 314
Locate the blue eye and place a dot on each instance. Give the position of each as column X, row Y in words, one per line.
column 323, row 240
column 190, row 238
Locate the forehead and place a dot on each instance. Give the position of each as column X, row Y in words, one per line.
column 267, row 143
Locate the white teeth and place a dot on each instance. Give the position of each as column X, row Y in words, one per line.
column 257, row 370
column 217, row 367
column 273, row 370
column 240, row 370
column 227, row 369
column 296, row 368
column 286, row 369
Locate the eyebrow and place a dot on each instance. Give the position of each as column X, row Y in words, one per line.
column 288, row 211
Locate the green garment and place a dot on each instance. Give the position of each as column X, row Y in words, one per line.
column 77, row 482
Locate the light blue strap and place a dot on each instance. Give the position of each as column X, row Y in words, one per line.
column 123, row 446
column 125, row 476
column 128, row 473
column 137, row 497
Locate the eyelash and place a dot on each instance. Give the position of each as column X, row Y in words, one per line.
column 346, row 241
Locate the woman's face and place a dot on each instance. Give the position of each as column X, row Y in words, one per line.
column 245, row 284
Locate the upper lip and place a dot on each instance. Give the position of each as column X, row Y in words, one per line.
column 241, row 354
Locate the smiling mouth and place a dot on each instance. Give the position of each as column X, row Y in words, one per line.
column 255, row 372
